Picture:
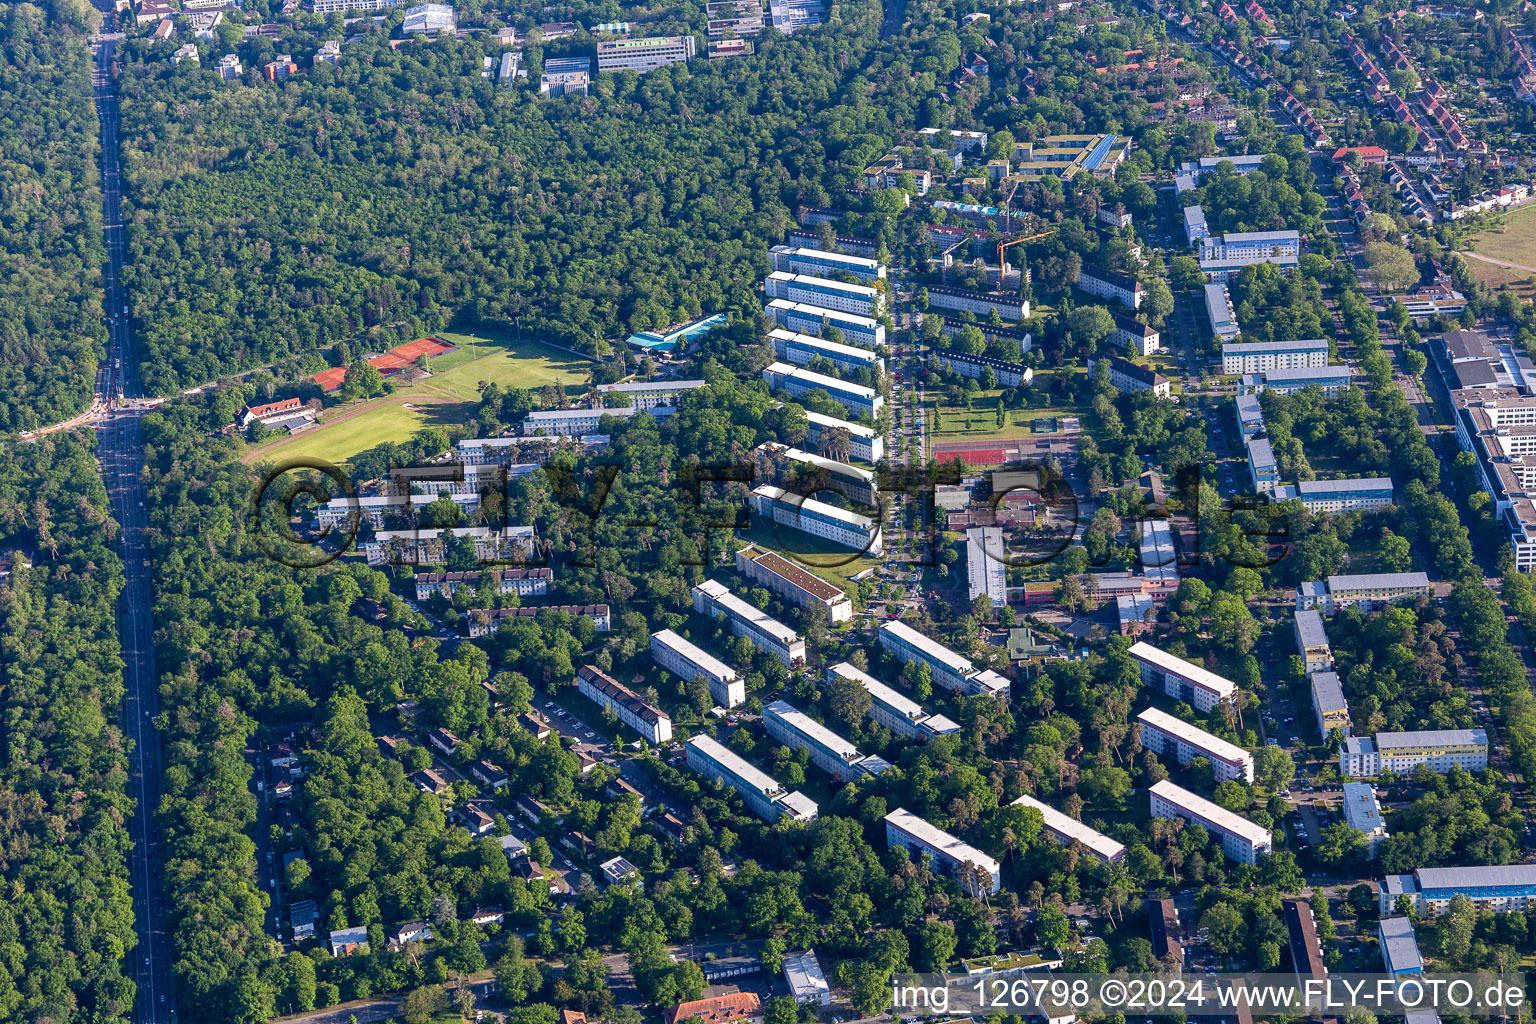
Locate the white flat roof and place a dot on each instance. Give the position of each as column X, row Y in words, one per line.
column 812, row 729
column 864, row 291
column 935, row 837
column 813, row 310
column 1361, row 809
column 814, row 506
column 747, row 612
column 892, row 698
column 1195, row 736
column 819, row 380
column 830, row 465
column 1195, row 674
column 1257, row 348
column 821, row 419
column 803, row 973
column 957, row 662
column 810, row 340
column 824, row 254
column 1220, row 817
column 728, row 759
column 1375, row 580
column 700, row 657
column 1310, row 627
column 1103, row 846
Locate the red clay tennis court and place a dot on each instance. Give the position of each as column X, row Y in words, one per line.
column 972, row 456
column 390, row 363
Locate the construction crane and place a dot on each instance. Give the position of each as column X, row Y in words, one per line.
column 1001, row 245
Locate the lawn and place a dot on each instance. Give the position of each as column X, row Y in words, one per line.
column 980, row 421
column 1496, row 277
column 831, row 562
column 445, row 397
column 1513, row 238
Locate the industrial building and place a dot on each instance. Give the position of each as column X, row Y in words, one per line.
column 986, row 564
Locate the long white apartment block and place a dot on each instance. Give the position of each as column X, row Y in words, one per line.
column 688, row 661
column 819, row 519
column 1067, row 830
column 1180, row 679
column 800, row 349
column 949, row 670
column 1168, row 736
column 893, row 709
column 648, row 394
column 864, row 443
column 762, row 630
column 760, row 791
column 803, row 260
column 810, row 318
column 830, row 752
column 1355, row 494
column 854, row 483
column 575, row 422
column 1258, row 356
column 856, row 398
column 1241, row 839
column 796, row 585
column 950, row 855
column 1362, row 757
column 825, row 292
column 602, row 689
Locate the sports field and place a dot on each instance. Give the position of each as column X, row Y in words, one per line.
column 1512, row 239
column 449, row 395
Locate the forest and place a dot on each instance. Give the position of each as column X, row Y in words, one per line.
column 66, row 924
column 52, row 323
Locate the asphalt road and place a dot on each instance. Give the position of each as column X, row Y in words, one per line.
column 121, row 452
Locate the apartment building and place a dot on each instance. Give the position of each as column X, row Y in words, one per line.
column 1066, row 156
column 1111, row 285
column 763, row 631
column 1008, row 374
column 1250, row 416
column 643, row 54
column 1399, row 947
column 1362, row 812
column 819, row 519
column 961, row 139
column 1312, row 644
column 982, row 304
column 893, row 709
column 830, row 752
column 1129, row 376
column 1263, row 470
column 800, row 349
column 1498, row 889
column 688, row 662
column 796, row 380
column 762, row 794
column 1331, row 379
column 865, row 443
column 483, row 622
column 509, row 545
column 1359, row 494
column 1258, row 356
column 796, row 585
column 819, row 262
column 806, row 317
column 1401, row 752
column 734, row 19
column 824, row 292
column 1218, row 310
column 1366, row 591
column 1182, row 680
column 1195, row 227
column 1142, row 339
column 648, row 394
column 1067, row 830
column 1251, row 245
column 1328, row 703
column 602, row 689
column 977, row 873
column 1167, row 736
column 1241, row 839
column 522, row 582
column 576, row 422
column 950, row 670
column 853, row 483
